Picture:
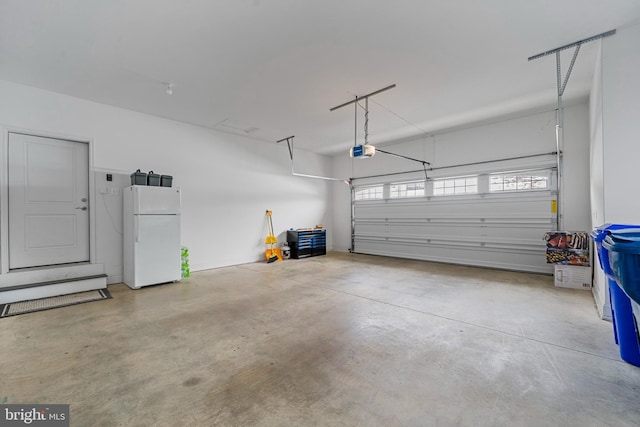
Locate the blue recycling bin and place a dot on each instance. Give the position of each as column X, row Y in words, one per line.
column 625, row 328
column 624, row 259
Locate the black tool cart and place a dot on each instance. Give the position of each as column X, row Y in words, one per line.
column 307, row 242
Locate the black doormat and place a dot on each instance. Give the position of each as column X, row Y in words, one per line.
column 22, row 307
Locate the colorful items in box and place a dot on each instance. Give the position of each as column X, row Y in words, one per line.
column 568, row 248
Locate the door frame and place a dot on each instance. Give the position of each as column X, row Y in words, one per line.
column 4, row 193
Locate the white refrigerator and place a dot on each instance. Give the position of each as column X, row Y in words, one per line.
column 151, row 235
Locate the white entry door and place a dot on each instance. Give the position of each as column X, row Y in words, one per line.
column 48, row 201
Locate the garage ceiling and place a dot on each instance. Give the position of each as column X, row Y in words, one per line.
column 270, row 69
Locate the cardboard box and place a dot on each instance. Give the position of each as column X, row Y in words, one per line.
column 572, row 276
column 568, row 248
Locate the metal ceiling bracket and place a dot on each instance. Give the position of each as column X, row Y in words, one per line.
column 570, row 45
column 561, row 84
column 363, row 97
column 289, row 141
column 366, row 112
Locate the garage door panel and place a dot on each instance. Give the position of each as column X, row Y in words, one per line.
column 490, row 206
column 494, row 230
column 521, row 259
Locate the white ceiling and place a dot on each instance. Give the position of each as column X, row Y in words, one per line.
column 278, row 66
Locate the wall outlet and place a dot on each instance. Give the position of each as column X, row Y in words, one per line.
column 114, row 191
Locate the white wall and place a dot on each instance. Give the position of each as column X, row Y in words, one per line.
column 600, row 288
column 615, row 131
column 621, row 125
column 577, row 216
column 227, row 181
column 503, row 138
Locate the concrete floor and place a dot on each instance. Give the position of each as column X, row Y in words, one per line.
column 341, row 340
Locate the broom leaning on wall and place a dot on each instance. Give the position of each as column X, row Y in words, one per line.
column 272, row 254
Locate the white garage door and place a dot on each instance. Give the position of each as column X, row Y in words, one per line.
column 493, row 219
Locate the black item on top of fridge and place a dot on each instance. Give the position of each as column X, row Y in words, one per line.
column 166, row 180
column 138, row 178
column 153, row 179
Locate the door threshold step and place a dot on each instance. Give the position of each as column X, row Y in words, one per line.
column 52, row 282
column 52, row 288
column 49, row 274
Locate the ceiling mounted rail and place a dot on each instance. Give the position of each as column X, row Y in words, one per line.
column 570, row 45
column 356, row 103
column 362, row 97
column 366, row 153
column 561, row 84
column 289, row 141
column 424, row 162
column 483, row 162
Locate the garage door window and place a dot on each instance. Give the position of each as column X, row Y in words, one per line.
column 369, row 193
column 518, row 182
column 463, row 185
column 406, row 189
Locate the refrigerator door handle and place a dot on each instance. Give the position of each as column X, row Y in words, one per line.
column 136, row 228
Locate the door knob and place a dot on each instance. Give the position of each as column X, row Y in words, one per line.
column 84, row 208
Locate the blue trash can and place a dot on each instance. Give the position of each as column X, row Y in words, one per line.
column 625, row 328
column 624, row 259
